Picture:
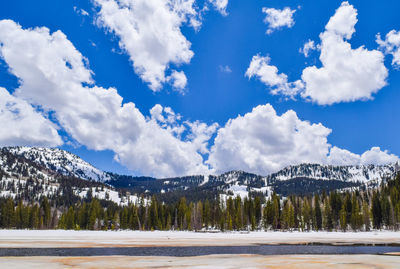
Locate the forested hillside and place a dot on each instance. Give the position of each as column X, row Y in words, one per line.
column 377, row 208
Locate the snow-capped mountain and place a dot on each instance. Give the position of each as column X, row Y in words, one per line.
column 45, row 165
column 31, row 179
column 365, row 174
column 60, row 161
column 299, row 179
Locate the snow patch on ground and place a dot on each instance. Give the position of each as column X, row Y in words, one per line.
column 108, row 194
column 62, row 238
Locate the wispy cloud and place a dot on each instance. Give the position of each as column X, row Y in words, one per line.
column 225, row 69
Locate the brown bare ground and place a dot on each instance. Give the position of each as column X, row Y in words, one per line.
column 212, row 261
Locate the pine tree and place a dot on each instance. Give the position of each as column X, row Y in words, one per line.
column 46, row 212
column 229, row 220
column 291, row 221
column 356, row 218
column 169, row 222
column 188, row 216
column 276, row 211
column 94, row 212
column 386, row 211
column 307, row 214
column 124, row 218
column 317, row 213
column 18, row 215
column 34, row 220
column 343, row 218
column 154, row 221
column 366, row 216
column 285, row 215
column 238, row 213
column 268, row 215
column 376, row 211
column 207, row 213
column 70, row 219
column 335, row 202
column 8, row 214
column 257, row 210
column 182, row 208
column 328, row 216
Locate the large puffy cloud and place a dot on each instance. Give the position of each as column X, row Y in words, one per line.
column 278, row 18
column 346, row 74
column 22, row 125
column 338, row 156
column 263, row 142
column 375, row 156
column 149, row 31
column 54, row 76
column 391, row 45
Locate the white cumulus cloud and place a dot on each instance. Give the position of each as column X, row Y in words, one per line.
column 178, row 80
column 346, row 74
column 54, row 76
column 376, row 156
column 264, row 142
column 261, row 68
column 278, row 18
column 338, row 156
column 21, row 125
column 149, row 32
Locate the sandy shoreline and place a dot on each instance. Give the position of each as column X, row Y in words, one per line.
column 212, row 261
column 61, row 238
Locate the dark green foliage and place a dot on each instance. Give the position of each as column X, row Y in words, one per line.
column 305, row 186
column 317, row 214
column 357, row 211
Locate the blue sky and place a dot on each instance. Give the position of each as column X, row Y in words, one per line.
column 212, row 95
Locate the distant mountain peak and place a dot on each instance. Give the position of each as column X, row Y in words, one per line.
column 347, row 173
column 60, row 161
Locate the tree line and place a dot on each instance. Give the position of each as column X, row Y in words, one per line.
column 335, row 211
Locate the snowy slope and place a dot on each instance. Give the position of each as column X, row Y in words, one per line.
column 23, row 178
column 364, row 174
column 61, row 161
column 303, row 178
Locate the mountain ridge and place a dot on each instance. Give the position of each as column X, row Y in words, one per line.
column 300, row 179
